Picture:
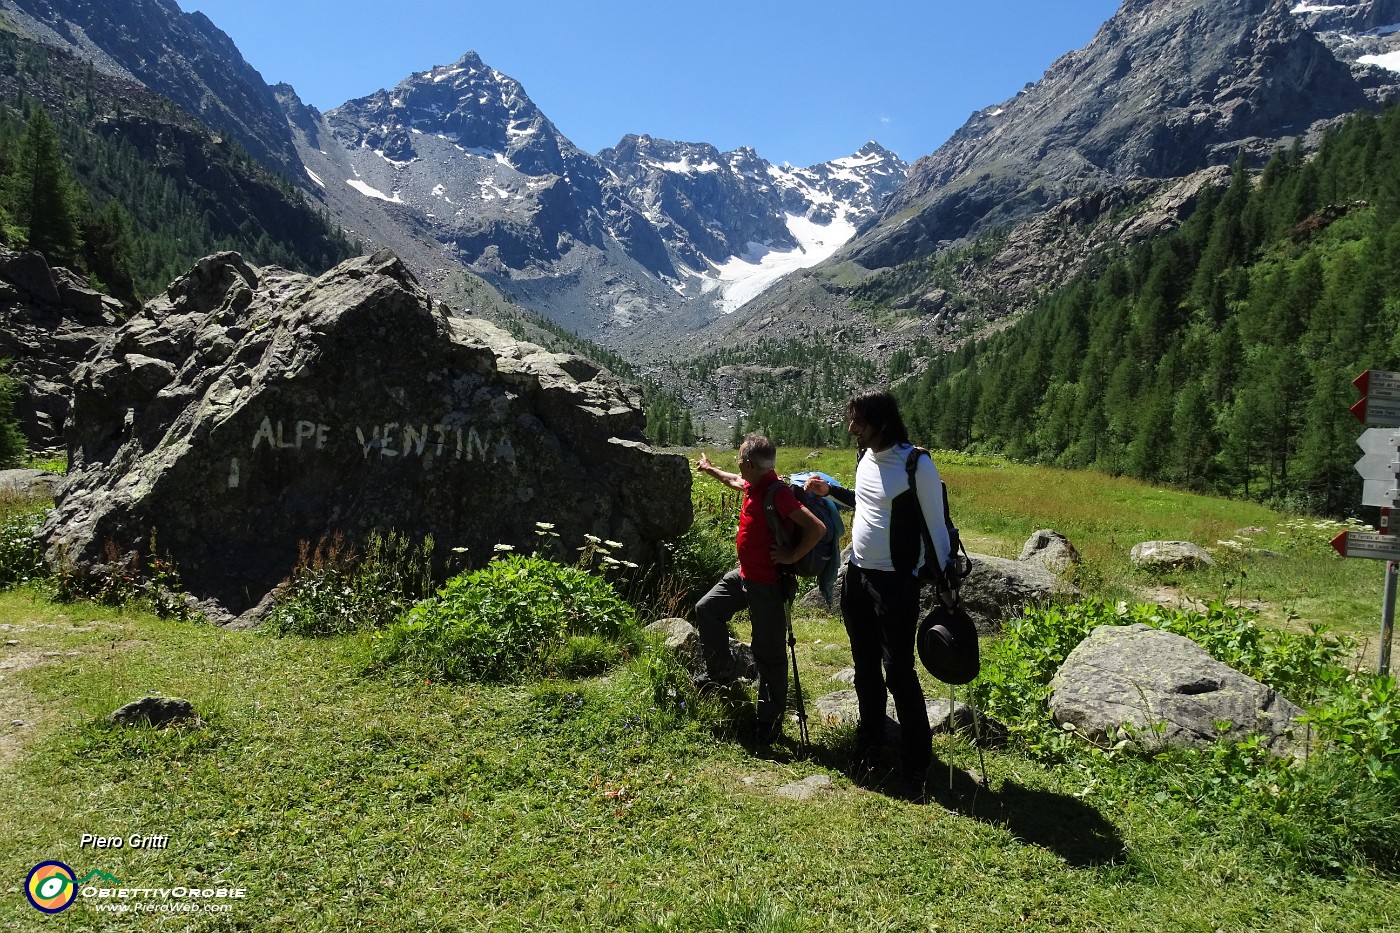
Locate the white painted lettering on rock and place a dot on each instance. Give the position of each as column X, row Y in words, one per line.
column 390, row 439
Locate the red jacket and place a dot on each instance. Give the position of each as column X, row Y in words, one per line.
column 755, row 541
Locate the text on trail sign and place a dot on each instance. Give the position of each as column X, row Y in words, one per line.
column 1380, row 404
column 1367, row 544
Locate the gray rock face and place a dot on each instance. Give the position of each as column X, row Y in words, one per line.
column 247, row 411
column 683, row 639
column 1049, row 549
column 49, row 322
column 1144, row 677
column 29, row 484
column 999, row 589
column 807, row 788
column 1165, row 88
column 1170, row 555
column 841, row 707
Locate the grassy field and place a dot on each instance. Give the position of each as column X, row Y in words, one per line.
column 339, row 801
column 1280, row 565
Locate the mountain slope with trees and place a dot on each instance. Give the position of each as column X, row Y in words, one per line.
column 121, row 184
column 1218, row 356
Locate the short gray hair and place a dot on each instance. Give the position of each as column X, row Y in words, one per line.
column 760, row 450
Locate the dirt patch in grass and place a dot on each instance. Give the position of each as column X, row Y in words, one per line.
column 1173, row 598
column 25, row 646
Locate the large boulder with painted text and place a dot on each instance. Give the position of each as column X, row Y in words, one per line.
column 249, row 412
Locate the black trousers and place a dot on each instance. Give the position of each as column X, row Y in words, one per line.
column 881, row 612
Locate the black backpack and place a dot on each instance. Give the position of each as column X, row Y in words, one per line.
column 959, row 563
column 815, row 561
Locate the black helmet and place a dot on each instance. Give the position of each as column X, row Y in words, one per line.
column 947, row 643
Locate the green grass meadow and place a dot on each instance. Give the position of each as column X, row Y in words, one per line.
column 341, row 800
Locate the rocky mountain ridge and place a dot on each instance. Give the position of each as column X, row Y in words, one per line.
column 629, row 247
column 182, row 56
column 1027, row 192
column 1165, row 88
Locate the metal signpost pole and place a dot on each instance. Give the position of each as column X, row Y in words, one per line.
column 1392, row 570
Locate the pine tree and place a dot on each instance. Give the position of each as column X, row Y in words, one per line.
column 45, row 202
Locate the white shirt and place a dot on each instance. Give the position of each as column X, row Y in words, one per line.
column 880, row 477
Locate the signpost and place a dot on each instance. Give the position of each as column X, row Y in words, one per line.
column 1380, row 399
column 1367, row 544
column 1379, row 466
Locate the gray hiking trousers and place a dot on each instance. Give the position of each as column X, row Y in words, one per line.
column 768, row 614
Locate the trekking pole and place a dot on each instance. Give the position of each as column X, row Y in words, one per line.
column 952, row 726
column 796, row 679
column 977, row 737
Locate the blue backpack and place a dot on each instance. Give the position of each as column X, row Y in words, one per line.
column 815, row 561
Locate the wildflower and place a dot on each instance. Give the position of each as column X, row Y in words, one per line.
column 504, row 548
column 592, row 539
column 545, row 526
column 613, row 543
column 459, row 550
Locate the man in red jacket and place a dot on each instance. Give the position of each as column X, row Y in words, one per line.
column 759, row 584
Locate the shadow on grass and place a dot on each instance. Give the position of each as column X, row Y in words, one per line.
column 1064, row 824
column 1061, row 823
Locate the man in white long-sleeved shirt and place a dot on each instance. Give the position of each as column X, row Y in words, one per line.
column 880, row 594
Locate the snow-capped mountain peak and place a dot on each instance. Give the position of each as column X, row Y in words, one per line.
column 647, row 229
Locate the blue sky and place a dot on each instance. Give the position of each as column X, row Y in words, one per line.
column 802, row 82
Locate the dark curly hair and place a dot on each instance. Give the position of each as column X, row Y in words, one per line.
column 878, row 408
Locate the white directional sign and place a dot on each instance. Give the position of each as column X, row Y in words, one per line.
column 1367, row 544
column 1379, row 466
column 1377, row 383
column 1380, row 407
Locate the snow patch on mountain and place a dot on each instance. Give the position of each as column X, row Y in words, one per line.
column 370, row 191
column 743, row 278
column 1389, row 61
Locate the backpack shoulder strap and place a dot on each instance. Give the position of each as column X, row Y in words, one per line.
column 911, row 465
column 775, row 521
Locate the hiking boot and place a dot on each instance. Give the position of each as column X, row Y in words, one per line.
column 913, row 786
column 865, row 759
column 766, row 733
column 913, row 789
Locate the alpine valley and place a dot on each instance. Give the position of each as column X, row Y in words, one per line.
column 694, row 267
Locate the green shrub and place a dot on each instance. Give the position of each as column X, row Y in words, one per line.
column 336, row 589
column 510, row 620
column 126, row 579
column 1360, row 719
column 21, row 559
column 698, row 558
column 1338, row 808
